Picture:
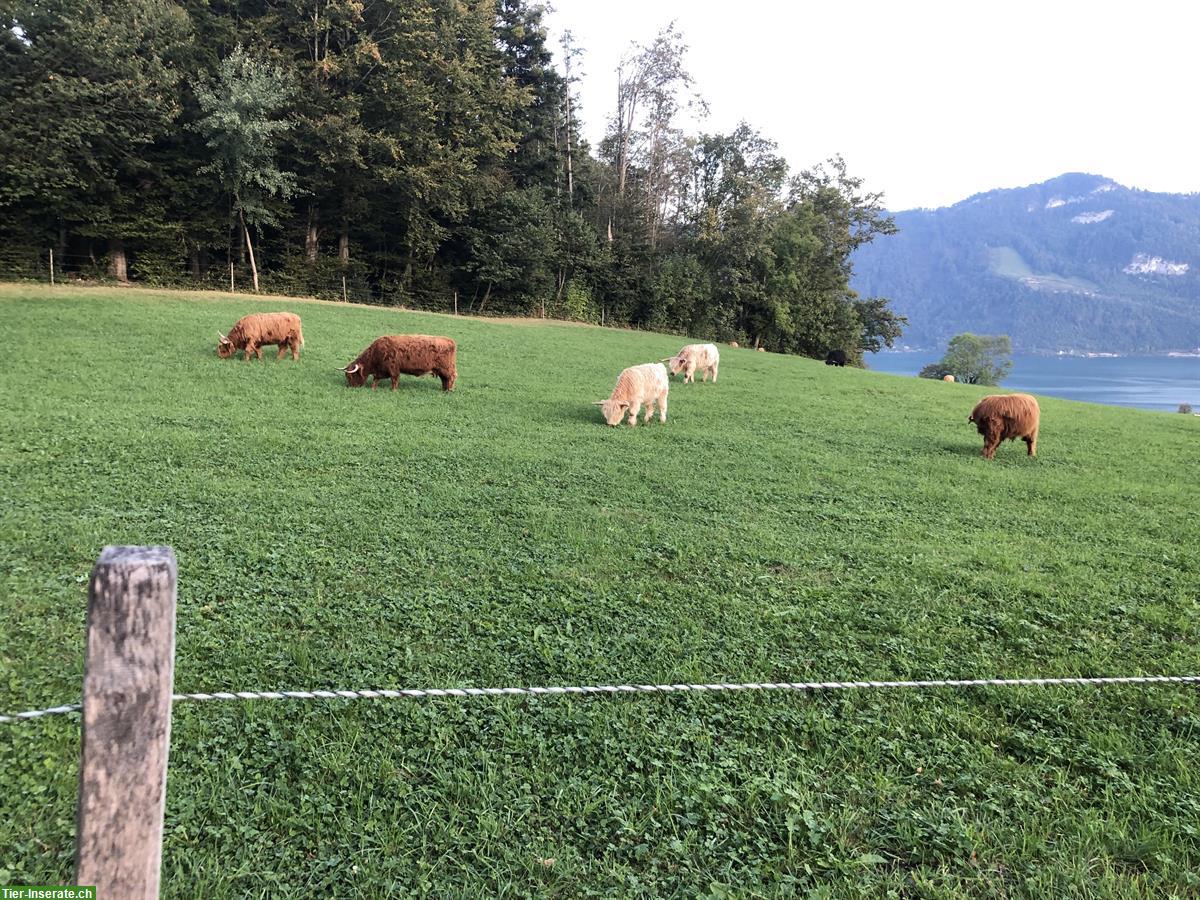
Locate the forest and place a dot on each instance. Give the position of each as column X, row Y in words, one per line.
column 424, row 153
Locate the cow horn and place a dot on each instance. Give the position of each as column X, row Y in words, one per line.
column 222, row 337
column 666, row 359
column 598, row 402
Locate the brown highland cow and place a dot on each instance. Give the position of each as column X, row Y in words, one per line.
column 394, row 355
column 1004, row 417
column 250, row 332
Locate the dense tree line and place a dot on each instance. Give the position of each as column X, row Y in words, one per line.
column 414, row 151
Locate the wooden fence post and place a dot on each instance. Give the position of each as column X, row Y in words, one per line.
column 51, row 267
column 127, row 685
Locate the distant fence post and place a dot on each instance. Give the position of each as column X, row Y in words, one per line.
column 456, row 301
column 231, row 277
column 345, row 299
column 51, row 267
column 127, row 685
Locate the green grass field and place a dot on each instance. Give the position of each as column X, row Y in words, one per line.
column 793, row 522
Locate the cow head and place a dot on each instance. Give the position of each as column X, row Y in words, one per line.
column 356, row 376
column 612, row 410
column 225, row 348
column 675, row 364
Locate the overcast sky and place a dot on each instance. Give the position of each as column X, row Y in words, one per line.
column 930, row 102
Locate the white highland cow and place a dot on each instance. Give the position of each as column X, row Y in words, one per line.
column 704, row 357
column 647, row 385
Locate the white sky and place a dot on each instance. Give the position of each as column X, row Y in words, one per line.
column 929, row 101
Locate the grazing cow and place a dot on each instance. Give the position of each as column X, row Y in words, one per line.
column 645, row 384
column 836, row 358
column 1001, row 417
column 949, row 378
column 394, row 355
column 761, row 349
column 704, row 357
column 250, row 332
column 733, row 344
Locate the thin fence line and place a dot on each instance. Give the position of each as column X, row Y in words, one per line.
column 610, row 689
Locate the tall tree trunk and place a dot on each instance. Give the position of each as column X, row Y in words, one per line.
column 249, row 250
column 194, row 259
column 570, row 174
column 486, row 294
column 116, row 260
column 310, row 238
column 344, row 243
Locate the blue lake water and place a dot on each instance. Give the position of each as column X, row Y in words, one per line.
column 1149, row 382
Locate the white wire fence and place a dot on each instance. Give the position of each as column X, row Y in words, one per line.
column 615, row 689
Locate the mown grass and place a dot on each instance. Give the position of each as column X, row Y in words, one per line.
column 792, row 522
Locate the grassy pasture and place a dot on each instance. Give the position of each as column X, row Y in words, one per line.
column 793, row 522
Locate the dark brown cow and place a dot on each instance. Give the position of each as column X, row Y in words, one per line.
column 1004, row 417
column 394, row 355
column 250, row 332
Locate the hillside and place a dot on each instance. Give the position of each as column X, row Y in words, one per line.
column 793, row 522
column 1078, row 262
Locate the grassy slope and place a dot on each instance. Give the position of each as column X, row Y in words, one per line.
column 793, row 522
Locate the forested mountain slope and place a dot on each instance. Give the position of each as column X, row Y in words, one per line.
column 1077, row 262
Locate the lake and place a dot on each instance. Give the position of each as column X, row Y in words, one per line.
column 1149, row 382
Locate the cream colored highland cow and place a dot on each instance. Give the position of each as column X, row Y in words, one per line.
column 646, row 385
column 704, row 357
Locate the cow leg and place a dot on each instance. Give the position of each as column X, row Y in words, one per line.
column 1031, row 444
column 248, row 352
column 634, row 409
column 447, row 381
column 662, row 409
column 649, row 410
column 374, row 382
column 395, row 380
column 283, row 348
column 714, row 371
column 991, row 440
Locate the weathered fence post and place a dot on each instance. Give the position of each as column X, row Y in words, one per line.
column 345, row 299
column 127, row 684
column 51, row 267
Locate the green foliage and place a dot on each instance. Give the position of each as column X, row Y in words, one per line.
column 418, row 149
column 795, row 522
column 974, row 359
column 242, row 125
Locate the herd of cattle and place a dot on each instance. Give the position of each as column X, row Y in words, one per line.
column 998, row 417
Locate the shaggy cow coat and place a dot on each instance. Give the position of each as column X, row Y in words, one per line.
column 394, row 355
column 704, row 357
column 250, row 332
column 836, row 358
column 645, row 384
column 1004, row 417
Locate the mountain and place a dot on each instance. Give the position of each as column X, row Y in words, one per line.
column 1078, row 262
